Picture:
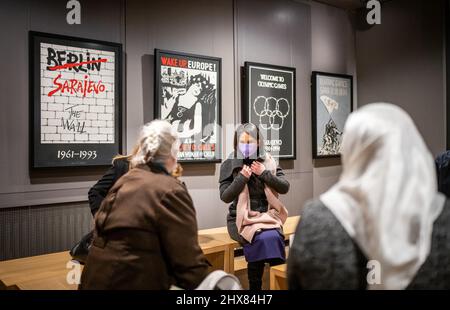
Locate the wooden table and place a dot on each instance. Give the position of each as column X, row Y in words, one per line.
column 50, row 271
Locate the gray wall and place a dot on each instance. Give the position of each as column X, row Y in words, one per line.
column 17, row 188
column 235, row 31
column 279, row 32
column 200, row 27
column 402, row 62
column 247, row 35
column 300, row 34
column 43, row 212
column 333, row 50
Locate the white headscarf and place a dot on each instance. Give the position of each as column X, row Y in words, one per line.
column 386, row 198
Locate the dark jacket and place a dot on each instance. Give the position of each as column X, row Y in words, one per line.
column 145, row 236
column 232, row 182
column 98, row 192
column 96, row 195
column 442, row 163
column 324, row 256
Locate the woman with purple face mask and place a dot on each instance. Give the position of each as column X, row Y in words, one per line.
column 248, row 169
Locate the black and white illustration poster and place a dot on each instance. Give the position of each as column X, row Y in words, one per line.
column 270, row 104
column 332, row 102
column 188, row 95
column 76, row 101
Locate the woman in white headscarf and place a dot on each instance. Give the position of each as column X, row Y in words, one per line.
column 384, row 213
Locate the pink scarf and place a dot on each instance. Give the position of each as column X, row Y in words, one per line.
column 248, row 222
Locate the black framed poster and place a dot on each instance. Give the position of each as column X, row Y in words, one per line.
column 269, row 103
column 188, row 95
column 332, row 103
column 75, row 101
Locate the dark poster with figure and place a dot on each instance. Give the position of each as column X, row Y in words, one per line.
column 75, row 101
column 188, row 95
column 332, row 103
column 270, row 104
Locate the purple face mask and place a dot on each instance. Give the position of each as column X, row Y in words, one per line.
column 248, row 149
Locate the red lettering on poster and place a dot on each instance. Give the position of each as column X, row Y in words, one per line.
column 174, row 62
column 74, row 86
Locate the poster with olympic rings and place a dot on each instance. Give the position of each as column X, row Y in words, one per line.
column 332, row 103
column 270, row 104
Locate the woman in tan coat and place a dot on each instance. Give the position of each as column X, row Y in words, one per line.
column 146, row 228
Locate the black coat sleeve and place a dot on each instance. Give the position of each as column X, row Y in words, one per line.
column 98, row 192
column 276, row 182
column 230, row 188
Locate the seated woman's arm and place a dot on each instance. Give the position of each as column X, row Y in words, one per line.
column 276, row 182
column 231, row 188
column 323, row 256
column 178, row 232
column 98, row 192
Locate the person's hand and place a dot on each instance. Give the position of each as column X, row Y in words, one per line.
column 246, row 171
column 178, row 92
column 257, row 168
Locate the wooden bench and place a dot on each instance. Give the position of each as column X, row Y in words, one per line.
column 43, row 272
column 49, row 272
column 221, row 234
column 278, row 279
column 240, row 271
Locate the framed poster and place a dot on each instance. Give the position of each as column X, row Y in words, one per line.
column 269, row 103
column 332, row 103
column 75, row 101
column 188, row 95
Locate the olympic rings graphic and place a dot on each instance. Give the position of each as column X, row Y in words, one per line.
column 271, row 111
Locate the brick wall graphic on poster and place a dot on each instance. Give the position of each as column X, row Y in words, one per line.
column 77, row 98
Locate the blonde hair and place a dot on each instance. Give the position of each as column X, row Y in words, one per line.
column 157, row 142
column 126, row 157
